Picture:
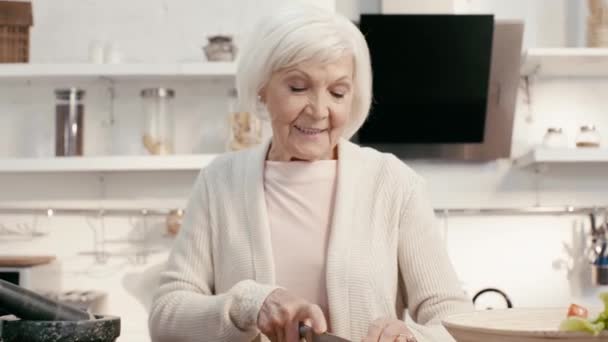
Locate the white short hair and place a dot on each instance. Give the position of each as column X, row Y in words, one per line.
column 298, row 33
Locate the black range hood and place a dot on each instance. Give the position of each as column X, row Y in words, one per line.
column 445, row 86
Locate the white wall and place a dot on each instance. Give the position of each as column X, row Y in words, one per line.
column 353, row 8
column 151, row 31
column 549, row 23
column 413, row 6
column 512, row 253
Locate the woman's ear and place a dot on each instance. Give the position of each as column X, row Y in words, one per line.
column 262, row 95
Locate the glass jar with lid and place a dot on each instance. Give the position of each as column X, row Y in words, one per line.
column 588, row 136
column 245, row 128
column 159, row 121
column 555, row 138
column 69, row 122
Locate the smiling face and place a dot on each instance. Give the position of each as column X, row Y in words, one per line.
column 309, row 106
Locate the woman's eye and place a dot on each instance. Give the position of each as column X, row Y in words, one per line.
column 297, row 89
column 337, row 95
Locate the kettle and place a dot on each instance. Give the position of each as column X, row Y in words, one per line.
column 502, row 294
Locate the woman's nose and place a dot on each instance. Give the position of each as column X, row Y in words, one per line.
column 319, row 107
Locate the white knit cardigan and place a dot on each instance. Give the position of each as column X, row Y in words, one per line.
column 385, row 253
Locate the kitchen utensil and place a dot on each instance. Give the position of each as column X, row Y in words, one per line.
column 30, row 272
column 599, row 268
column 307, row 333
column 516, row 325
column 599, row 256
column 30, row 305
column 45, row 320
column 594, row 232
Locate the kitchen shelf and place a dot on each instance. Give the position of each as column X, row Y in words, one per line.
column 566, row 62
column 107, row 163
column 545, row 156
column 117, row 72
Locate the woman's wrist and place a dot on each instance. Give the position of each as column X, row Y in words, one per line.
column 248, row 298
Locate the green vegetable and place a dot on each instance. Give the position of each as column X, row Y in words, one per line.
column 604, row 298
column 592, row 326
column 581, row 324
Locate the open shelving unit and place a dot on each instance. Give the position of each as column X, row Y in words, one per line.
column 559, row 156
column 566, row 62
column 88, row 72
column 193, row 162
column 116, row 72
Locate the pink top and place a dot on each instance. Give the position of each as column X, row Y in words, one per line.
column 300, row 201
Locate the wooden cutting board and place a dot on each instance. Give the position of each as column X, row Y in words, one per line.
column 25, row 260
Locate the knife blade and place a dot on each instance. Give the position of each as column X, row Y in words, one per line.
column 309, row 335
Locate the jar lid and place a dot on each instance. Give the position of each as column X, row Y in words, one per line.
column 588, row 128
column 177, row 212
column 220, row 38
column 67, row 93
column 158, row 92
column 554, row 130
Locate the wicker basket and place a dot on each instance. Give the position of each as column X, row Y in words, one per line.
column 15, row 22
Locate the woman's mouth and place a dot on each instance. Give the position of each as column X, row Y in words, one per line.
column 309, row 130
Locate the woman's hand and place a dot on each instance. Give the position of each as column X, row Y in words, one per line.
column 389, row 330
column 281, row 314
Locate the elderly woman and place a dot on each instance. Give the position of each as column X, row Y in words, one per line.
column 308, row 227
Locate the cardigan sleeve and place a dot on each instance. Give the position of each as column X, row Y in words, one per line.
column 185, row 307
column 432, row 289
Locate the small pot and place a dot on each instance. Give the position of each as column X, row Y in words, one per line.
column 220, row 49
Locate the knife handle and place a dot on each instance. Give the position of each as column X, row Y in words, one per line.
column 304, row 331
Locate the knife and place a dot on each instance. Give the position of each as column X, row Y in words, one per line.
column 309, row 335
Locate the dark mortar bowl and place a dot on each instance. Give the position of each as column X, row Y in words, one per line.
column 102, row 329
